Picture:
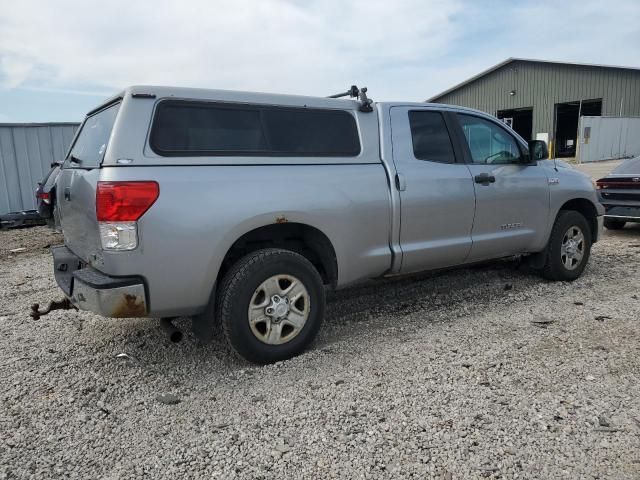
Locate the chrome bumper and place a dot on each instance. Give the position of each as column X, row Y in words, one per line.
column 110, row 299
column 89, row 289
column 629, row 213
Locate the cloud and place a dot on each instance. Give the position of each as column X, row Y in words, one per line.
column 274, row 45
column 68, row 91
column 403, row 49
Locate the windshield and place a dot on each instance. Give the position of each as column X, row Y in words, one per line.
column 90, row 145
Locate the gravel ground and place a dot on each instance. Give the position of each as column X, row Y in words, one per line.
column 481, row 373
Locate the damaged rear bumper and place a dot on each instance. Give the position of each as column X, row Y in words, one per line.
column 92, row 290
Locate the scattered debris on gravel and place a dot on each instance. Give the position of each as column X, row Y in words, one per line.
column 444, row 376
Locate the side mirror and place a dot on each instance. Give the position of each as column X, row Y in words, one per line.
column 538, row 151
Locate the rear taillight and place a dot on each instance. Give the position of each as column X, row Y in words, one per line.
column 119, row 205
column 619, row 183
column 124, row 201
column 44, row 196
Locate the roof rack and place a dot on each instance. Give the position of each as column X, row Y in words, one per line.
column 360, row 94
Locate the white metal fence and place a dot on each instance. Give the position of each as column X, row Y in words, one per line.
column 26, row 153
column 606, row 138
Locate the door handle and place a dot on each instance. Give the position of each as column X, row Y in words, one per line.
column 401, row 183
column 484, row 179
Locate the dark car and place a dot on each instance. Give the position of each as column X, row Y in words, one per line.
column 619, row 192
column 46, row 212
column 46, row 196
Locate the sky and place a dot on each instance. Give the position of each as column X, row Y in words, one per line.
column 60, row 59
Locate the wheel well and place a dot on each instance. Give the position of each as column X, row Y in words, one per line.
column 308, row 241
column 586, row 208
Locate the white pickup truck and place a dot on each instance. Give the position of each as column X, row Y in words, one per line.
column 241, row 208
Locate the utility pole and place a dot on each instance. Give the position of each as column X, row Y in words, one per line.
column 578, row 133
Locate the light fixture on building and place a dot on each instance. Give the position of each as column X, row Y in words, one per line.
column 512, row 93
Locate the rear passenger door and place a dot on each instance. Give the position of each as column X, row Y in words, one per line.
column 512, row 196
column 436, row 190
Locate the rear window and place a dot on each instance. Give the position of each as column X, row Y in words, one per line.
column 200, row 129
column 91, row 143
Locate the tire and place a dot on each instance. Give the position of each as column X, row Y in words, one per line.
column 253, row 281
column 555, row 267
column 614, row 224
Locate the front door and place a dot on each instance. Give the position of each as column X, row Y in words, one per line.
column 436, row 190
column 512, row 197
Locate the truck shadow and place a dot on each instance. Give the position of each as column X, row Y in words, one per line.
column 377, row 305
column 464, row 290
column 423, row 292
column 411, row 301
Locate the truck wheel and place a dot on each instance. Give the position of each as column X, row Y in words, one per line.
column 569, row 247
column 613, row 224
column 271, row 305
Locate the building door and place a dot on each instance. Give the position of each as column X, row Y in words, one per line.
column 566, row 124
column 521, row 120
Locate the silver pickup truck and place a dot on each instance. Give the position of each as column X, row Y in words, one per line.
column 239, row 209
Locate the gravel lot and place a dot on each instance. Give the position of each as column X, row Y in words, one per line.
column 439, row 376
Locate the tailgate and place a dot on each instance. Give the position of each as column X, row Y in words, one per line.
column 77, row 183
column 76, row 199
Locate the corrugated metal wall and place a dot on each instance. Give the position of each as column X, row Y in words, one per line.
column 26, row 153
column 608, row 138
column 542, row 85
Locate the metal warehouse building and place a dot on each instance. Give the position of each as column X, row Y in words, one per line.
column 545, row 100
column 26, row 153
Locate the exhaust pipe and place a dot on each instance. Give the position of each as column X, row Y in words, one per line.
column 167, row 325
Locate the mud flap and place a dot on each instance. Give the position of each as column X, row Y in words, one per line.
column 537, row 260
column 203, row 324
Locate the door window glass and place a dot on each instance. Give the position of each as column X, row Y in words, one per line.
column 488, row 143
column 430, row 137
